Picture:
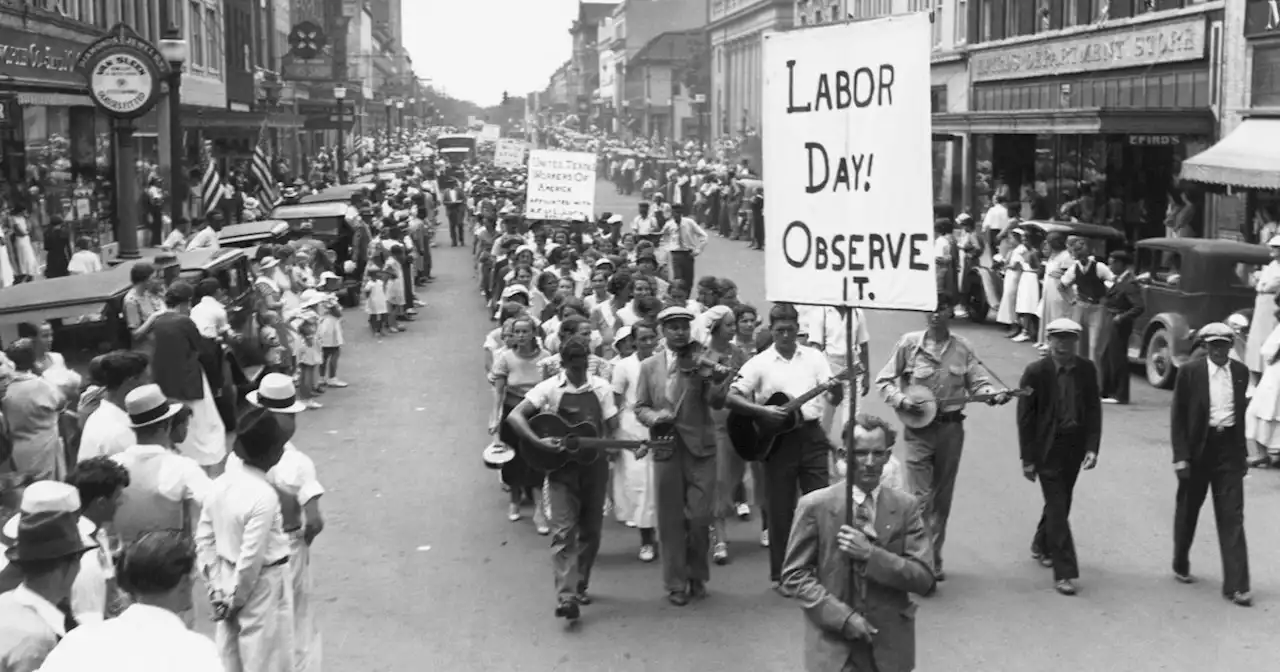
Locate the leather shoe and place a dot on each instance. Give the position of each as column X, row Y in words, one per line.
column 1181, row 577
column 678, row 598
column 582, row 598
column 697, row 589
column 1240, row 598
column 1065, row 587
column 783, row 590
column 568, row 610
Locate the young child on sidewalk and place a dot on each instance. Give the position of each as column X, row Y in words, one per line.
column 375, row 294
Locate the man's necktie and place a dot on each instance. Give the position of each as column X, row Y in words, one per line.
column 69, row 621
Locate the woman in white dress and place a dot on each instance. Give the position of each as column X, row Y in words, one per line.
column 634, row 497
column 1262, row 419
column 24, row 254
column 1055, row 302
column 1008, row 312
column 1028, row 303
column 1264, row 308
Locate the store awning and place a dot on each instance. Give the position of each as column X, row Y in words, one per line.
column 1089, row 121
column 1249, row 158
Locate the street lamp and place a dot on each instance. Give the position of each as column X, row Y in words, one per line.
column 400, row 106
column 413, row 111
column 174, row 50
column 339, row 93
column 390, row 104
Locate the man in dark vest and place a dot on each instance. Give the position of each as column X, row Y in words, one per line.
column 1087, row 280
column 1124, row 305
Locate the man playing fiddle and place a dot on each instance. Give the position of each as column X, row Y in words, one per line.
column 944, row 363
column 672, row 390
column 576, row 492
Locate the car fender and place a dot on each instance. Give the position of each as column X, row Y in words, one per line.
column 991, row 284
column 1181, row 336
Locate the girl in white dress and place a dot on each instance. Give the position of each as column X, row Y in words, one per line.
column 1262, row 418
column 24, row 254
column 1028, row 300
column 1267, row 285
column 634, row 498
column 1008, row 312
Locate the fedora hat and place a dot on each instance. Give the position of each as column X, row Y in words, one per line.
column 50, row 535
column 45, row 497
column 147, row 405
column 276, row 393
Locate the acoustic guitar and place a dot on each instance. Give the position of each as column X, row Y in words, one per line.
column 754, row 438
column 929, row 403
column 579, row 443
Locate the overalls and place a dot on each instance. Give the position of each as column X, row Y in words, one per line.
column 576, row 497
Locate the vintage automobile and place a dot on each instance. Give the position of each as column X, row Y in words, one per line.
column 457, row 148
column 1186, row 284
column 86, row 312
column 253, row 234
column 329, row 226
column 337, row 192
column 986, row 281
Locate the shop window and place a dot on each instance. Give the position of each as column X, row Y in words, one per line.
column 938, row 99
column 986, row 20
column 195, row 38
column 1266, row 76
column 1013, row 11
column 962, row 22
column 1070, row 13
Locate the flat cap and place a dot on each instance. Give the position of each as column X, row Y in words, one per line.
column 1215, row 331
column 675, row 313
column 1063, row 325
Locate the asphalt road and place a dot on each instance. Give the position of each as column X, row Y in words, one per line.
column 419, row 568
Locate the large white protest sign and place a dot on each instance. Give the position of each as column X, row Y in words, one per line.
column 562, row 185
column 847, row 164
column 509, row 153
column 490, row 133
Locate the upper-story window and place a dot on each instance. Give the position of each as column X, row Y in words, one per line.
column 962, row 22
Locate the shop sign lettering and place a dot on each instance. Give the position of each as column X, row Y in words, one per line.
column 59, row 7
column 1154, row 140
column 1108, row 50
column 25, row 54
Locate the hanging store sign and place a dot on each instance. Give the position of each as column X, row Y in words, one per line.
column 1135, row 47
column 1155, row 140
column 123, row 71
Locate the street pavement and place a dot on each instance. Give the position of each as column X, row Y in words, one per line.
column 419, row 569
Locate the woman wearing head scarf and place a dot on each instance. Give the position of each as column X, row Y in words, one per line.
column 721, row 329
column 31, row 408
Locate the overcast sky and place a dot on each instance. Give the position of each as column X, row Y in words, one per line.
column 477, row 49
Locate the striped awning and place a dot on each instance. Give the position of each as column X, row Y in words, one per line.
column 1248, row 158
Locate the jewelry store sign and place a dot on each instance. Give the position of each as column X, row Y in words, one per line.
column 1136, row 47
column 123, row 71
column 38, row 57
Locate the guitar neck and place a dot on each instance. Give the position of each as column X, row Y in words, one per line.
column 608, row 444
column 795, row 404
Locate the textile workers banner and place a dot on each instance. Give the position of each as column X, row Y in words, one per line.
column 562, row 185
column 847, row 160
column 509, row 153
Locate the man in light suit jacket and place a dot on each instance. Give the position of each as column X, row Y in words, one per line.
column 869, row 626
column 685, row 480
column 1206, row 427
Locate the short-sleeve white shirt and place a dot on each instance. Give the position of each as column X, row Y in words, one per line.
column 107, row 432
column 546, row 396
column 769, row 372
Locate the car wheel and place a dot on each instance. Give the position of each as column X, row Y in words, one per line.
column 979, row 309
column 1159, row 360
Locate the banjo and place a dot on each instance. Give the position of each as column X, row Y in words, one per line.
column 929, row 403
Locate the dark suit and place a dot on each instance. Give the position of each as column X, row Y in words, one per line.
column 685, row 483
column 1054, row 438
column 1217, row 458
column 818, row 573
column 175, row 366
column 1123, row 301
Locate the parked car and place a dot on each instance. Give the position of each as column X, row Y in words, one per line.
column 986, row 281
column 85, row 311
column 1186, row 284
column 253, row 234
column 337, row 192
column 329, row 226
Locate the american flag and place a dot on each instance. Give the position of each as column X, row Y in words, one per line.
column 210, row 182
column 260, row 168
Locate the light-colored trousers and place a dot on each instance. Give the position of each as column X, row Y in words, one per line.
column 933, row 462
column 260, row 637
column 307, row 644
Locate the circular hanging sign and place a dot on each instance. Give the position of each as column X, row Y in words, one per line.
column 123, row 81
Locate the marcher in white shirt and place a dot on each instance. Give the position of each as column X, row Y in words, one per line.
column 687, row 240
column 205, row 237
column 107, row 431
column 208, row 312
column 85, row 260
column 243, row 554
column 100, row 482
column 294, row 478
column 148, row 636
column 645, row 225
column 828, row 333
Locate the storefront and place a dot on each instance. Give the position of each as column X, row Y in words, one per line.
column 56, row 147
column 1093, row 126
column 1243, row 169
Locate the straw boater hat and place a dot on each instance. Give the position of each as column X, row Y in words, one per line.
column 276, row 393
column 147, row 405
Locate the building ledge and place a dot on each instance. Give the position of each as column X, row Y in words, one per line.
column 1148, row 18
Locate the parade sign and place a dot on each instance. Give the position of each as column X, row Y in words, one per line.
column 490, row 133
column 123, row 71
column 562, row 185
column 509, row 153
column 847, row 159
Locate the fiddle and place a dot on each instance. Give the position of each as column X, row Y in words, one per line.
column 708, row 369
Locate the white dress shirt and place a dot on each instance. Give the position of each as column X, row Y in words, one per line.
column 859, row 497
column 205, row 238
column 687, row 236
column 826, row 328
column 89, row 590
column 645, row 226
column 175, row 476
column 294, row 474
column 241, row 528
column 210, row 317
column 84, row 262
column 107, row 432
column 1222, row 407
column 769, row 372
column 46, row 610
column 143, row 639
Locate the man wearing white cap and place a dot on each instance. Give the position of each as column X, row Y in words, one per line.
column 1206, row 427
column 1059, row 432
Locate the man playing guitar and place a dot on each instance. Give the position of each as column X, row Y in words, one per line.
column 800, row 456
column 944, row 363
column 576, row 492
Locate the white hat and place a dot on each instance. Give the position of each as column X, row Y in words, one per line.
column 1063, row 325
column 330, row 275
column 1216, row 331
column 603, row 261
column 622, row 334
column 1274, row 242
column 616, row 219
column 276, row 393
column 1238, row 322
column 675, row 313
column 513, row 290
column 47, row 497
column 311, row 297
column 147, row 405
column 268, row 264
